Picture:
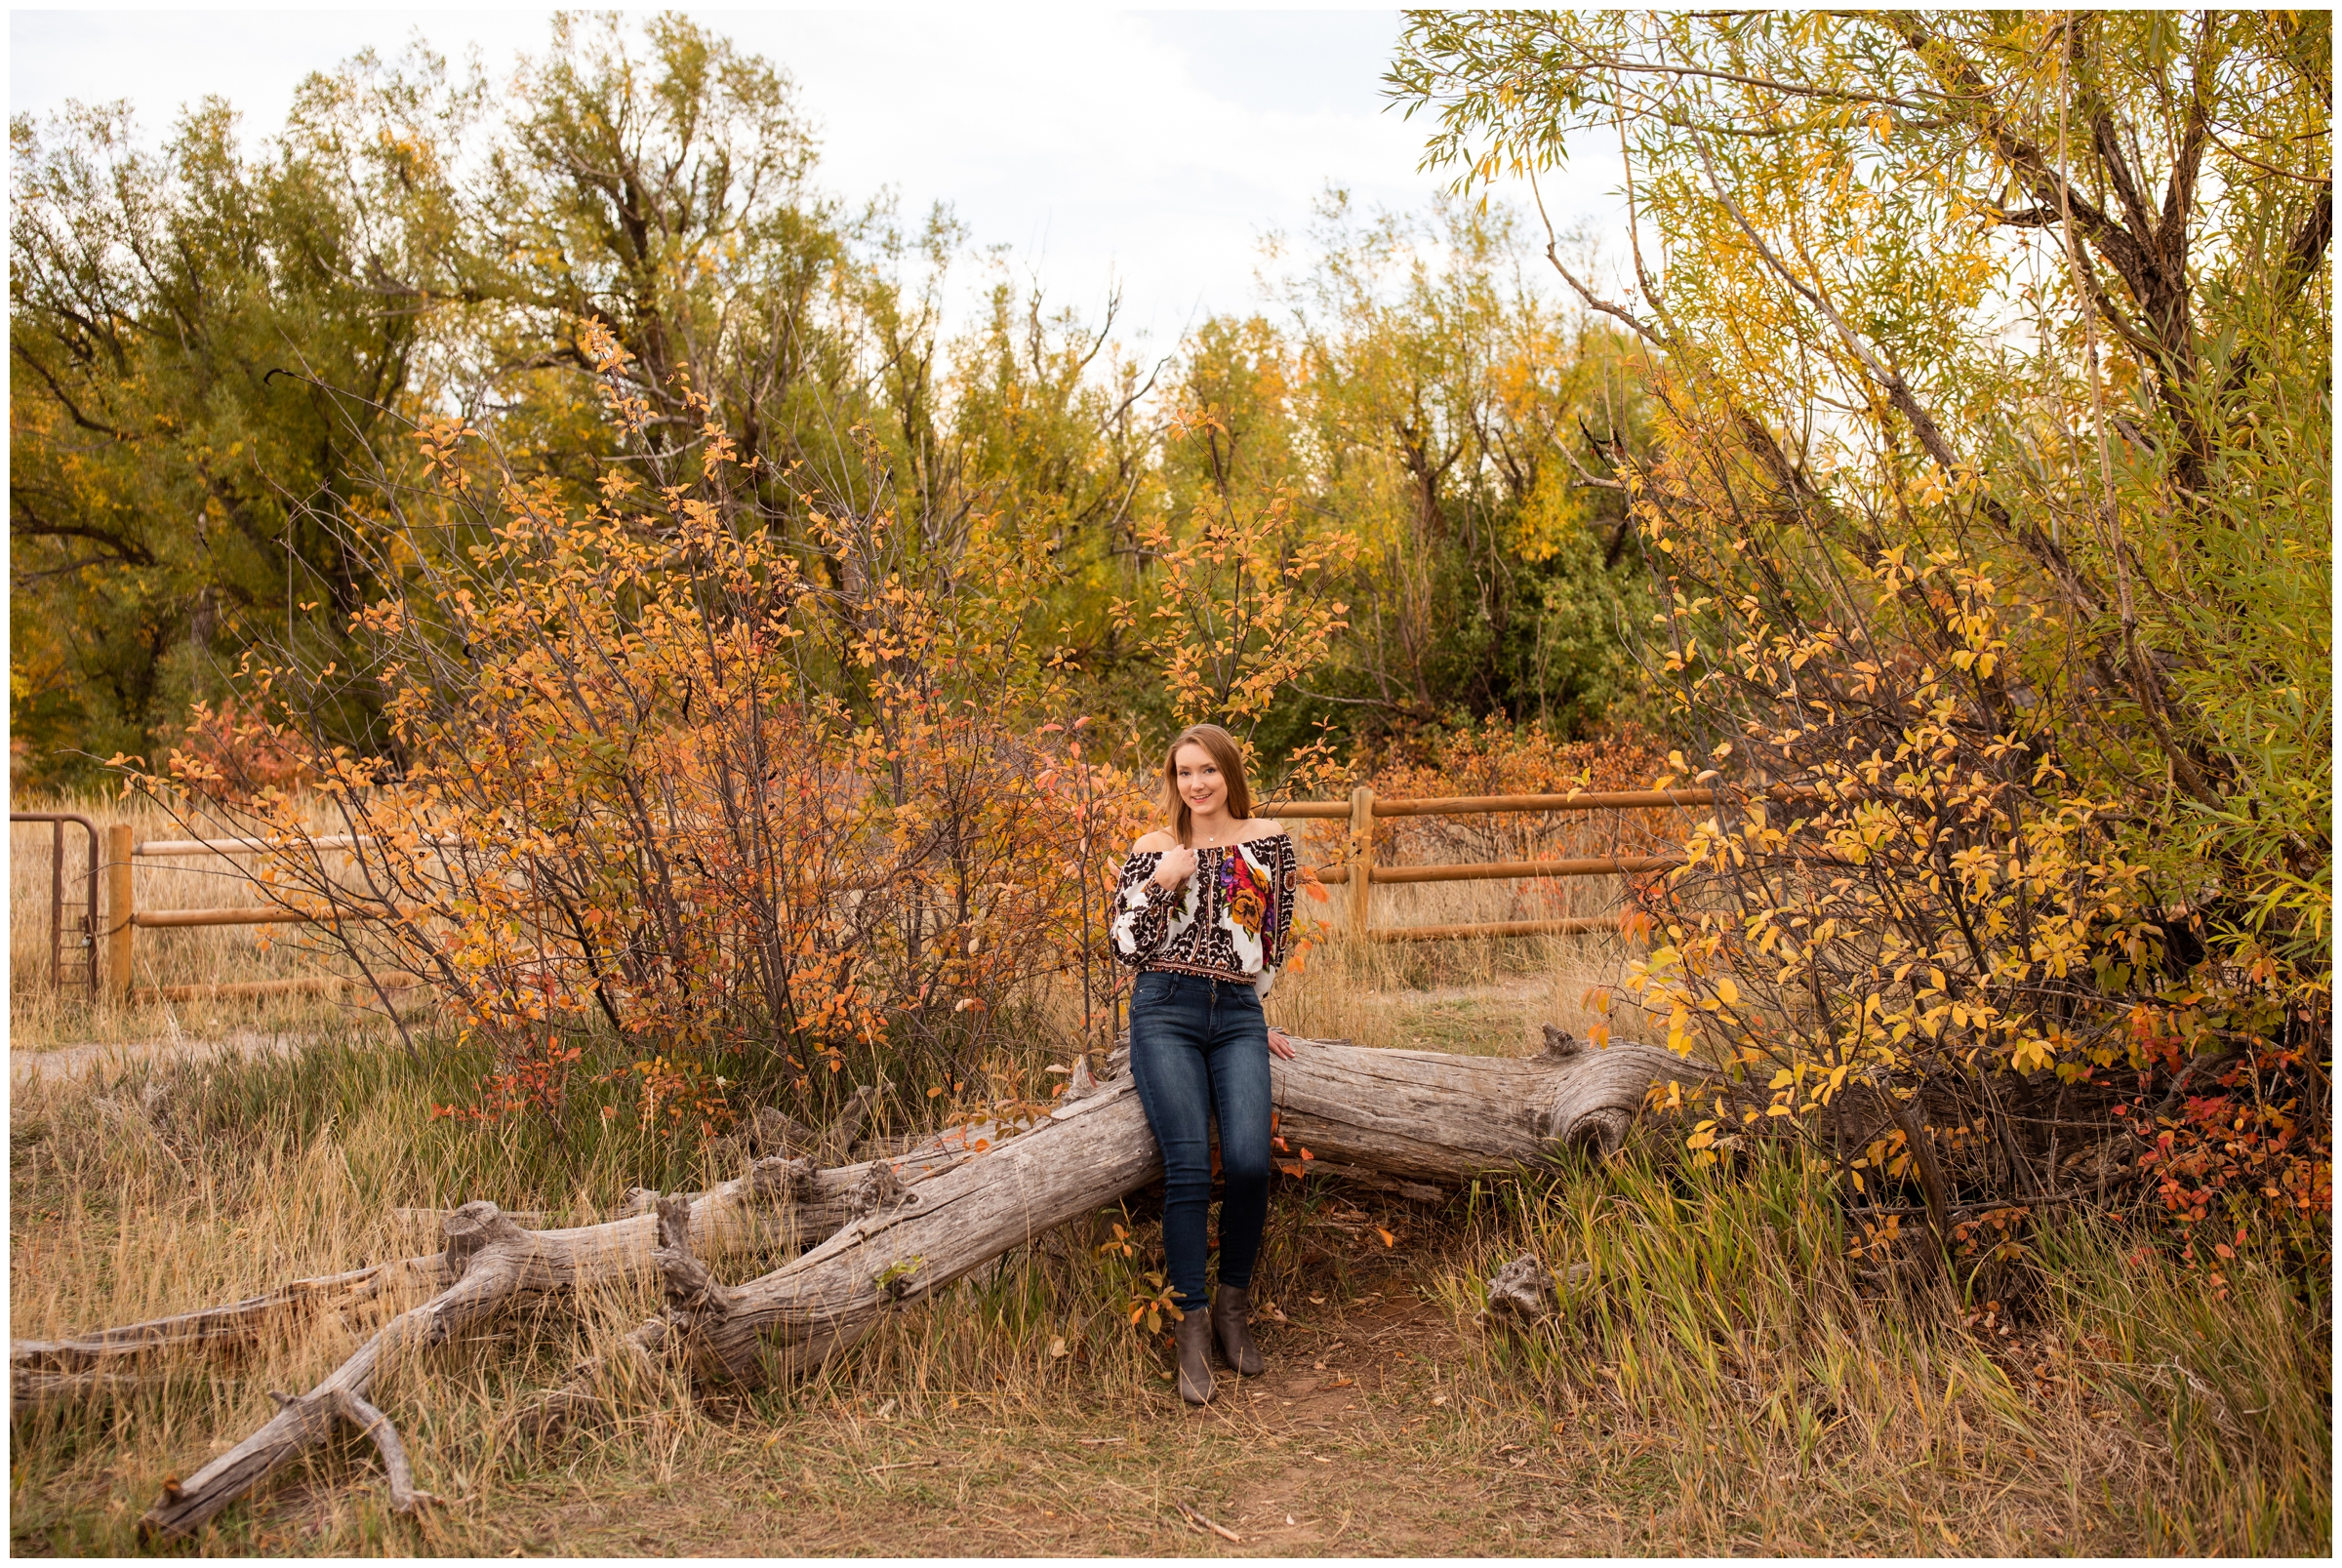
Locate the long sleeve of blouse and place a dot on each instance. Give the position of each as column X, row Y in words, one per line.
column 1232, row 919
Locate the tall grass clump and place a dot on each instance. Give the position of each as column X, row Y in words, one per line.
column 1796, row 1396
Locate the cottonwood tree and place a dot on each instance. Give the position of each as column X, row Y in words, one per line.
column 1452, row 406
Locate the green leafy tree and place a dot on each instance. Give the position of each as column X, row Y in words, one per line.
column 1450, row 398
column 413, row 247
column 198, row 353
column 659, row 190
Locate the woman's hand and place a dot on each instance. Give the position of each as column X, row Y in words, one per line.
column 1176, row 867
column 1280, row 1044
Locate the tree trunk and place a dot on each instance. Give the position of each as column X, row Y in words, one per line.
column 1413, row 1114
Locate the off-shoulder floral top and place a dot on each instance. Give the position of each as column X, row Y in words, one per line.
column 1229, row 920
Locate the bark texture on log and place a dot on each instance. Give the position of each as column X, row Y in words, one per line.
column 1441, row 1118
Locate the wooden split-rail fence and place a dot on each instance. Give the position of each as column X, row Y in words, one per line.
column 1360, row 874
column 109, row 941
column 104, row 946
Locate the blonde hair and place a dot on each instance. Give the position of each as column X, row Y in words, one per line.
column 1224, row 751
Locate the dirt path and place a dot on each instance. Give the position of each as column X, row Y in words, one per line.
column 1352, row 1443
column 112, row 1058
column 1356, row 1441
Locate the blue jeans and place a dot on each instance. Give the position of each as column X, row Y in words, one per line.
column 1199, row 1048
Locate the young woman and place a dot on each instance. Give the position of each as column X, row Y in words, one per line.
column 1202, row 913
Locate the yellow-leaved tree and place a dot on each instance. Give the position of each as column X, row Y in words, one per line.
column 1988, row 364
column 787, row 817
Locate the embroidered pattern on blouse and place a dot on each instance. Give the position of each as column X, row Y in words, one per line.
column 1231, row 918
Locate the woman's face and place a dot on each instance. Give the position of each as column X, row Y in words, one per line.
column 1200, row 782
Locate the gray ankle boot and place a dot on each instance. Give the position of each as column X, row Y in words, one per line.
column 1231, row 1318
column 1192, row 1334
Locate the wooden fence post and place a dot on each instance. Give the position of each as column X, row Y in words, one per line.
column 118, row 909
column 1361, row 859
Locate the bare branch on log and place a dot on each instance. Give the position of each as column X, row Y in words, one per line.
column 404, row 1499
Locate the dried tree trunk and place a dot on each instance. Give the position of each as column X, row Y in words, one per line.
column 495, row 1265
column 1417, row 1115
column 903, row 1230
column 1439, row 1118
column 780, row 1202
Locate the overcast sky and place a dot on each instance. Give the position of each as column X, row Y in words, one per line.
column 1153, row 147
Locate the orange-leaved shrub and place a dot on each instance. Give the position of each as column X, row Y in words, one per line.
column 780, row 811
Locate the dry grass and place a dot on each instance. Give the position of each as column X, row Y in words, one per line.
column 2112, row 1407
column 1723, row 1381
column 1479, row 998
column 1471, row 996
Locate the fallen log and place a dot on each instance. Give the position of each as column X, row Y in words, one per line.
column 907, row 1230
column 781, row 1202
column 496, row 1264
column 493, row 1267
column 1417, row 1116
column 1437, row 1119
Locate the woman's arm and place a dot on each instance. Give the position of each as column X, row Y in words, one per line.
column 1285, row 889
column 1141, row 926
column 1285, row 884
